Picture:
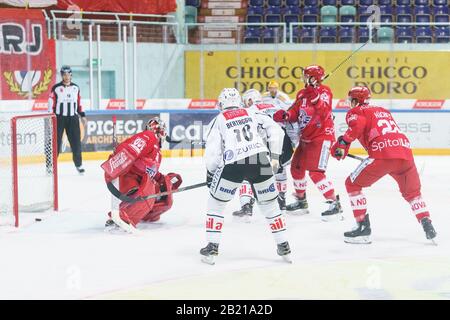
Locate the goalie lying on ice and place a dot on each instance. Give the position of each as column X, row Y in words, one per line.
column 135, row 163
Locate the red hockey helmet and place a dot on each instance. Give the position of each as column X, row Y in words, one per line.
column 360, row 94
column 316, row 72
column 158, row 127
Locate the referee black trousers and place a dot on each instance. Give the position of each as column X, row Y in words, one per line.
column 72, row 126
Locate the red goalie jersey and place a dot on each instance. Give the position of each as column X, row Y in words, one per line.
column 378, row 133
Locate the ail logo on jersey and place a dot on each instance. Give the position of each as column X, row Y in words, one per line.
column 278, row 224
column 264, row 106
column 213, row 225
column 235, row 113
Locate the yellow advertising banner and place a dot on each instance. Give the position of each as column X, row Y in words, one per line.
column 389, row 74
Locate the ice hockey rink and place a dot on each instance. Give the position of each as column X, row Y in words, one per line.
column 69, row 256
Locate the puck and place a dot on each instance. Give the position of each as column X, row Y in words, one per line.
column 38, row 219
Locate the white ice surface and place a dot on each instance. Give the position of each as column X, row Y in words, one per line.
column 68, row 256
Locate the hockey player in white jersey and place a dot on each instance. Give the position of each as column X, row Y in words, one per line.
column 252, row 99
column 275, row 96
column 236, row 152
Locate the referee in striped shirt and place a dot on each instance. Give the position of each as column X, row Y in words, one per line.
column 64, row 101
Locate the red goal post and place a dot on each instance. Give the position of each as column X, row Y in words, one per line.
column 29, row 165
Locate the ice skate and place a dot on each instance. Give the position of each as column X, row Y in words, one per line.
column 246, row 212
column 299, row 207
column 80, row 170
column 282, row 201
column 284, row 251
column 112, row 227
column 334, row 212
column 128, row 227
column 429, row 229
column 361, row 234
column 209, row 253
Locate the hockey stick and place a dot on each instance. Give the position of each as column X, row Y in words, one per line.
column 128, row 199
column 355, row 157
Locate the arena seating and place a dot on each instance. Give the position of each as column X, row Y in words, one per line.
column 406, row 11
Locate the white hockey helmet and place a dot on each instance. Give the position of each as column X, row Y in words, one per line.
column 229, row 98
column 253, row 95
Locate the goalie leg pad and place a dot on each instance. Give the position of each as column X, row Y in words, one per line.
column 164, row 203
column 134, row 212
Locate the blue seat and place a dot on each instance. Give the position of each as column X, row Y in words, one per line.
column 404, row 34
column 311, row 10
column 403, row 10
column 257, row 3
column 441, row 18
column 363, row 34
column 423, row 18
column 194, row 3
column 386, row 18
column 441, row 3
column 362, row 10
column 422, row 10
column 386, row 10
column 403, row 2
column 364, row 17
column 252, row 35
column 327, row 35
column 272, row 35
column 384, row 2
column 314, row 3
column 366, row 2
column 305, row 35
column 254, row 18
column 440, row 10
column 348, row 2
column 255, row 10
column 442, row 34
column 347, row 18
column 292, row 10
column 310, row 18
column 292, row 3
column 272, row 18
column 272, row 10
column 346, row 34
column 421, row 2
column 404, row 18
column 424, row 35
column 329, row 2
column 289, row 18
column 274, row 3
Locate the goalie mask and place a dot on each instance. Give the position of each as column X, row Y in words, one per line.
column 158, row 127
column 229, row 98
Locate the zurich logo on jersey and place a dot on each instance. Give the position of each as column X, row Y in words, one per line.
column 228, row 155
column 270, row 189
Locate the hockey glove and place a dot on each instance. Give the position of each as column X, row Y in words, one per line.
column 280, row 116
column 209, row 178
column 340, row 148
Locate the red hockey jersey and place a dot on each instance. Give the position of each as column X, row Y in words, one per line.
column 377, row 131
column 145, row 147
column 315, row 120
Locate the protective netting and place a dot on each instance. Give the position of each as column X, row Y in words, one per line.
column 35, row 165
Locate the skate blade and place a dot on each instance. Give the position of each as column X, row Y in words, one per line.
column 211, row 260
column 358, row 240
column 298, row 212
column 287, row 258
column 115, row 216
column 433, row 242
column 334, row 217
column 243, row 219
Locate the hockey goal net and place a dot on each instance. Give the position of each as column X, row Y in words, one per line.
column 28, row 166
